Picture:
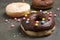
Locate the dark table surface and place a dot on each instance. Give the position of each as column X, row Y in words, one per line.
column 7, row 33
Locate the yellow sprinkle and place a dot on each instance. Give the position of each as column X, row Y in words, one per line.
column 36, row 24
column 28, row 12
column 43, row 18
column 46, row 11
column 26, row 15
column 34, row 11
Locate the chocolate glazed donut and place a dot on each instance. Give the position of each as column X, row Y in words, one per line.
column 41, row 29
column 42, row 4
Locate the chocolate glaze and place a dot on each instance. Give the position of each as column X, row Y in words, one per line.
column 35, row 16
column 42, row 3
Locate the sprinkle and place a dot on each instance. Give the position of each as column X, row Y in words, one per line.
column 28, row 19
column 50, row 15
column 36, row 24
column 50, row 12
column 27, row 22
column 49, row 18
column 12, row 26
column 6, row 20
column 33, row 11
column 44, row 12
column 43, row 19
column 55, row 15
column 26, row 15
column 15, row 19
column 24, row 18
column 58, row 9
column 37, row 21
column 40, row 10
column 42, row 22
column 18, row 20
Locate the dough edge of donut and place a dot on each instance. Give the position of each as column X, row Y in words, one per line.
column 38, row 34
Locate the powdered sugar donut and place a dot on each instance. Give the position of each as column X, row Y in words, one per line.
column 17, row 9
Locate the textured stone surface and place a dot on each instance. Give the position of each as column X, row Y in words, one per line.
column 8, row 33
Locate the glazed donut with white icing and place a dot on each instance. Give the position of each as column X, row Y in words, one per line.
column 17, row 9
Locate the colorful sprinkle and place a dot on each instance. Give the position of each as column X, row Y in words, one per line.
column 33, row 11
column 40, row 10
column 26, row 15
column 44, row 12
column 12, row 26
column 24, row 18
column 50, row 15
column 37, row 21
column 42, row 22
column 58, row 9
column 43, row 19
column 18, row 20
column 49, row 18
column 27, row 22
column 6, row 20
column 15, row 19
column 36, row 24
column 28, row 19
column 50, row 12
column 55, row 15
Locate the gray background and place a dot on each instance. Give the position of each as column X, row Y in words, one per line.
column 6, row 33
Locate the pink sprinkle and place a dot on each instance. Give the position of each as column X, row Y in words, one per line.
column 58, row 9
column 55, row 15
column 23, row 17
column 37, row 21
column 49, row 18
column 15, row 19
column 50, row 12
column 28, row 19
column 50, row 15
column 6, row 20
column 40, row 10
column 18, row 20
column 12, row 26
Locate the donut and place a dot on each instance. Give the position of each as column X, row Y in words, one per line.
column 42, row 4
column 17, row 9
column 38, row 24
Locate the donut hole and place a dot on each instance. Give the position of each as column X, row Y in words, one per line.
column 38, row 18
